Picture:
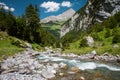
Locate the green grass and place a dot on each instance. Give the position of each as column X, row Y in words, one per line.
column 53, row 27
column 105, row 35
column 100, row 50
column 102, row 46
column 37, row 47
column 6, row 47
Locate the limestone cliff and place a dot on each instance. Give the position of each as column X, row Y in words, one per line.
column 94, row 11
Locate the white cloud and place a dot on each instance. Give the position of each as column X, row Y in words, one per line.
column 12, row 9
column 50, row 6
column 66, row 4
column 6, row 7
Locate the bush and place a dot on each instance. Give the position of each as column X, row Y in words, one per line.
column 116, row 38
column 96, row 37
column 108, row 33
column 116, row 34
column 83, row 43
column 18, row 43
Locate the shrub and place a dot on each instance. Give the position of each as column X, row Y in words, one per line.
column 96, row 37
column 116, row 38
column 18, row 43
column 83, row 43
column 108, row 33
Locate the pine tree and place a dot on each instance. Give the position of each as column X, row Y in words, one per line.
column 32, row 19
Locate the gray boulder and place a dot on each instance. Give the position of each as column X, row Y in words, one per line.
column 115, row 46
column 47, row 74
column 90, row 41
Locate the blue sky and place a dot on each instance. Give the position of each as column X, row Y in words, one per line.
column 47, row 7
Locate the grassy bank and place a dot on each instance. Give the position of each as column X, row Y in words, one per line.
column 7, row 48
column 102, row 44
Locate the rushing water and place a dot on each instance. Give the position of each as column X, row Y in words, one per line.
column 106, row 69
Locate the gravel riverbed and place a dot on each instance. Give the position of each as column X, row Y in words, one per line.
column 27, row 66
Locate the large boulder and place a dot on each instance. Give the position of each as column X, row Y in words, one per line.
column 94, row 53
column 90, row 41
column 115, row 46
column 47, row 74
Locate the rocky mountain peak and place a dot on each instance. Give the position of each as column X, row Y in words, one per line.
column 61, row 17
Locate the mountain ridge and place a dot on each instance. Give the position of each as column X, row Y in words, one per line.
column 61, row 17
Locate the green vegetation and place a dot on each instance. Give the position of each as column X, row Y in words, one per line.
column 53, row 27
column 7, row 48
column 105, row 34
column 26, row 27
column 15, row 30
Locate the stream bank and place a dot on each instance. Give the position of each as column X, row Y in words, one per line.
column 52, row 65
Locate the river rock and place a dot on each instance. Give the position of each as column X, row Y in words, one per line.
column 55, row 65
column 106, row 54
column 28, row 45
column 118, row 60
column 94, row 52
column 17, row 76
column 35, row 53
column 63, row 65
column 61, row 74
column 74, row 70
column 72, row 55
column 47, row 74
column 115, row 46
column 51, row 69
column 9, row 63
column 64, row 78
column 82, row 78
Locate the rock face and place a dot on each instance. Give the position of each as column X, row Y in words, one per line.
column 94, row 11
column 61, row 17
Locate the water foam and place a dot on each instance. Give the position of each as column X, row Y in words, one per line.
column 81, row 65
column 112, row 68
column 87, row 65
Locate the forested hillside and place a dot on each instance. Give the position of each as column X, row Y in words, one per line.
column 26, row 27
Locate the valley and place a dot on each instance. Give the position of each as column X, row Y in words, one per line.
column 68, row 44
